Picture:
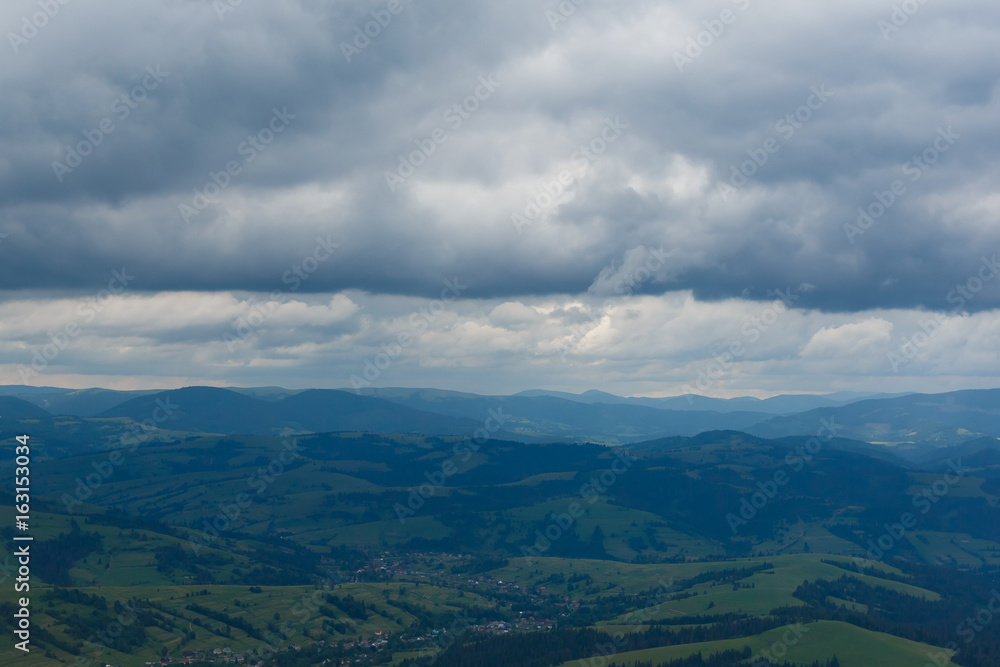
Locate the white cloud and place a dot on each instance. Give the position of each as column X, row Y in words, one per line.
column 651, row 345
column 848, row 341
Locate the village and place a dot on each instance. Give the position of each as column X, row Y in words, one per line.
column 517, row 609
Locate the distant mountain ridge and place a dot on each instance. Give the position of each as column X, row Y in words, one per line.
column 910, row 423
column 215, row 410
column 93, row 401
column 944, row 419
column 553, row 417
column 780, row 404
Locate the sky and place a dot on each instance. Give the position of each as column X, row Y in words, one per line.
column 737, row 197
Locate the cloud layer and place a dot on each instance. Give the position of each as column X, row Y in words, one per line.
column 691, row 161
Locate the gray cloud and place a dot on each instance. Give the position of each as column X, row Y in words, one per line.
column 353, row 120
column 868, row 100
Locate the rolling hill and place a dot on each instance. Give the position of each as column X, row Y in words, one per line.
column 915, row 419
column 16, row 408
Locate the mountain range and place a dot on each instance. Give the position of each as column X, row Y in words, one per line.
column 909, row 423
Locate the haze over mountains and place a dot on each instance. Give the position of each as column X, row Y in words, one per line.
column 912, row 422
column 781, row 404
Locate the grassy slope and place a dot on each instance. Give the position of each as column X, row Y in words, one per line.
column 297, row 605
column 853, row 646
column 773, row 588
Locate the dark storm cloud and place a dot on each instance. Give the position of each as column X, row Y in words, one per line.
column 882, row 100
